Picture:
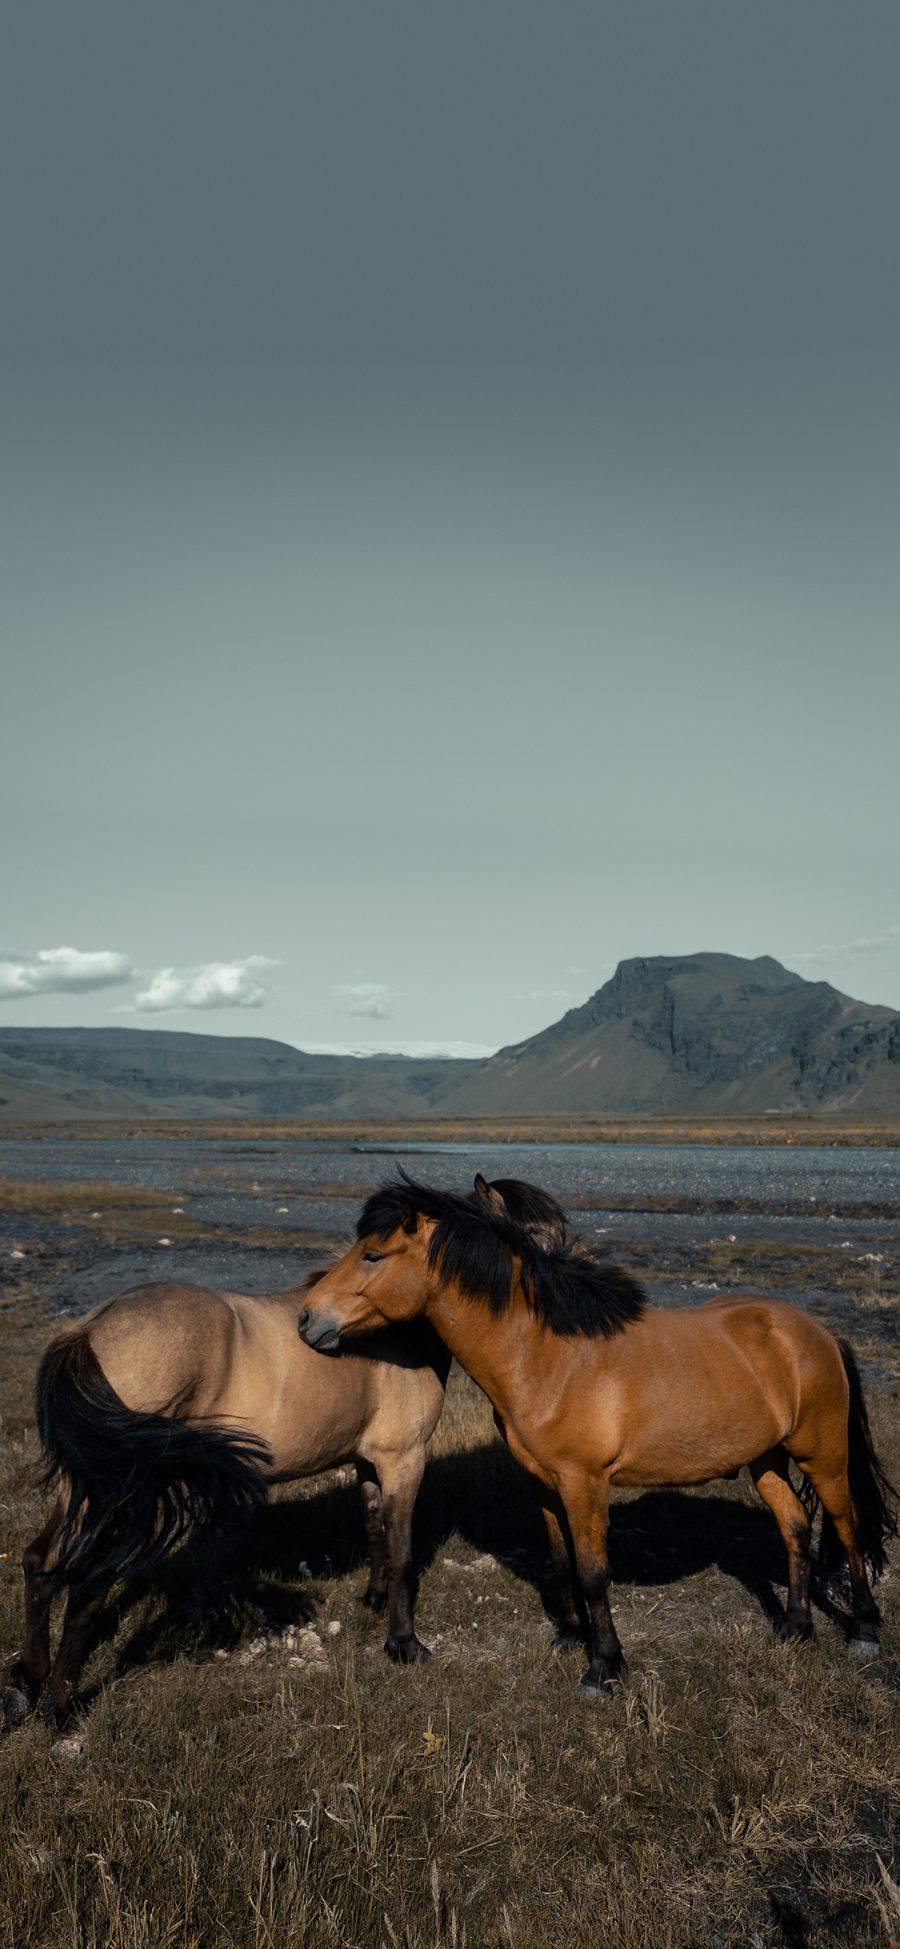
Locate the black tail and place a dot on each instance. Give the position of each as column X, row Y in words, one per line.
column 135, row 1483
column 875, row 1499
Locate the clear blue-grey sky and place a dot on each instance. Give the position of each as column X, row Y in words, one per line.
column 450, row 507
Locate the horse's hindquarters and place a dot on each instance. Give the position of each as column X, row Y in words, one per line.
column 691, row 1395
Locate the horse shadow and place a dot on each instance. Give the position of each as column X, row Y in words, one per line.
column 270, row 1574
column 660, row 1537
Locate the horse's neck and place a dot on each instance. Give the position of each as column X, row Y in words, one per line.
column 500, row 1352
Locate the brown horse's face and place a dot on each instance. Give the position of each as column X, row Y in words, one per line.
column 376, row 1283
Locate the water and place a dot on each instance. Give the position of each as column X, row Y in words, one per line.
column 279, row 1186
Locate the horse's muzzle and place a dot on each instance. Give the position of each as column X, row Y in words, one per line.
column 322, row 1334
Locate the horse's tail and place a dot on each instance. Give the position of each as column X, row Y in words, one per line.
column 133, row 1483
column 875, row 1499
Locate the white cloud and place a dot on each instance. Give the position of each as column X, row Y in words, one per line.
column 825, row 956
column 218, row 984
column 370, row 998
column 61, row 971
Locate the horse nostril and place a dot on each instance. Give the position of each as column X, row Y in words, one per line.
column 303, row 1320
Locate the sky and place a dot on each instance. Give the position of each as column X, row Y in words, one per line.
column 450, row 494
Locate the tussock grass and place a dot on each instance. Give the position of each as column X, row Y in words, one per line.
column 246, row 1809
column 799, row 1263
column 84, row 1197
column 120, row 1213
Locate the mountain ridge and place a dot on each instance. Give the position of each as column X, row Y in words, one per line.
column 701, row 1032
column 680, row 1034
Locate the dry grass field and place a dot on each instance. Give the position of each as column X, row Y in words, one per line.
column 250, row 1772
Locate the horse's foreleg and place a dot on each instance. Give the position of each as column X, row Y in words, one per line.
column 399, row 1477
column 773, row 1484
column 586, row 1503
column 376, row 1592
column 23, row 1679
column 570, row 1625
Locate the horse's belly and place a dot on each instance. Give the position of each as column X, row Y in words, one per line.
column 666, row 1468
column 307, row 1426
column 686, row 1438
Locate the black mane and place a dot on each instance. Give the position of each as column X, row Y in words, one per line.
column 567, row 1284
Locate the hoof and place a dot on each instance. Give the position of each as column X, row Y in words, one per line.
column 374, row 1600
column 407, row 1651
column 56, row 1716
column 599, row 1681
column 15, row 1707
column 863, row 1649
column 595, row 1691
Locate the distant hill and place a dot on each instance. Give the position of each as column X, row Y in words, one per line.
column 697, row 1033
column 67, row 1073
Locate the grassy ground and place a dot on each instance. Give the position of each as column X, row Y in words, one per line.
column 122, row 1214
column 252, row 1773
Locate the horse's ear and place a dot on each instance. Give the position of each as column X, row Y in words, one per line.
column 534, row 1211
column 489, row 1197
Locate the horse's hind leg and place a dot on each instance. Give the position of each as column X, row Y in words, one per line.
column 76, row 1634
column 833, row 1490
column 399, row 1477
column 376, row 1593
column 773, row 1484
column 23, row 1679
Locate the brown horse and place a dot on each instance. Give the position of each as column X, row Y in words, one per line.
column 591, row 1387
column 172, row 1406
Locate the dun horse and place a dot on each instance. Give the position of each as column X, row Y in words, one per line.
column 591, row 1387
column 172, row 1406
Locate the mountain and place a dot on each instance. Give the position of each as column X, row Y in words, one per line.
column 696, row 1033
column 160, row 1072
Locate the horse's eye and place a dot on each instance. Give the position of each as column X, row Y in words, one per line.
column 372, row 1258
